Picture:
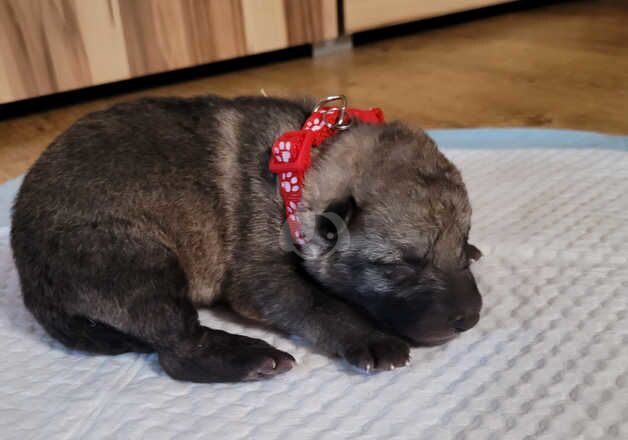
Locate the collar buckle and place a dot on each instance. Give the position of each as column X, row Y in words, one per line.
column 343, row 121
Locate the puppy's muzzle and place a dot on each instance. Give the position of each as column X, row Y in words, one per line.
column 449, row 313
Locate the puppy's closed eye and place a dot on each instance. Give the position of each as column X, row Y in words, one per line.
column 396, row 272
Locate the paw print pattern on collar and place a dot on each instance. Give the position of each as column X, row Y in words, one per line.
column 291, row 156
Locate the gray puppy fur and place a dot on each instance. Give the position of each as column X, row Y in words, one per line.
column 139, row 214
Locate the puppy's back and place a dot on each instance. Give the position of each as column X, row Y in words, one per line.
column 172, row 170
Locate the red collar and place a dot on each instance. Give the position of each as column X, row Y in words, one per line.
column 291, row 153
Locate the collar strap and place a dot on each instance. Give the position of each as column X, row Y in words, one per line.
column 292, row 151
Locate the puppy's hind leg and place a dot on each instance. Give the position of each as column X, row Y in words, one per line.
column 119, row 291
column 192, row 352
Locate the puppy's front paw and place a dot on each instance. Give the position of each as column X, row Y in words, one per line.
column 376, row 351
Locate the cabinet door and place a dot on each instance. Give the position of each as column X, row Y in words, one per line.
column 293, row 22
column 48, row 46
column 361, row 15
column 54, row 45
column 162, row 35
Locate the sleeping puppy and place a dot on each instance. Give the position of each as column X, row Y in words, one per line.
column 139, row 214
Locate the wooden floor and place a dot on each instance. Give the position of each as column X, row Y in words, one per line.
column 563, row 65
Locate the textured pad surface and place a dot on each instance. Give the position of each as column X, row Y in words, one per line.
column 549, row 358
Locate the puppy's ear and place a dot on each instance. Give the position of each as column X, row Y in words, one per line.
column 336, row 218
column 472, row 252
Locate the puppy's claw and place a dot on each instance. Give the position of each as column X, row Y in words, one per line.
column 376, row 352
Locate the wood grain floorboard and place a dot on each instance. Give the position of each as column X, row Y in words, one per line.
column 559, row 66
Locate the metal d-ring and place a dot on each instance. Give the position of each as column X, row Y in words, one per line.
column 340, row 124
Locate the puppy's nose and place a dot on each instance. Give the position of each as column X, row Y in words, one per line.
column 465, row 321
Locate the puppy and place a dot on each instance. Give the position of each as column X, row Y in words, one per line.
column 139, row 214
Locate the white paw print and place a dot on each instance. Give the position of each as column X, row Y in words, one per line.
column 291, row 207
column 315, row 125
column 297, row 234
column 283, row 151
column 289, row 182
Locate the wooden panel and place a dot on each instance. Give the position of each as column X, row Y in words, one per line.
column 265, row 25
column 65, row 44
column 48, row 46
column 10, row 88
column 54, row 45
column 275, row 24
column 103, row 38
column 362, row 15
column 26, row 54
column 311, row 20
column 163, row 35
column 155, row 35
column 218, row 32
column 6, row 94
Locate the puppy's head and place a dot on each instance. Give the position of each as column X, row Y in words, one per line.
column 388, row 218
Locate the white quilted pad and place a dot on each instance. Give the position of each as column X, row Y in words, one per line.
column 549, row 358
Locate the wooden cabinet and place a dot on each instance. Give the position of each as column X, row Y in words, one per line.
column 49, row 46
column 361, row 15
